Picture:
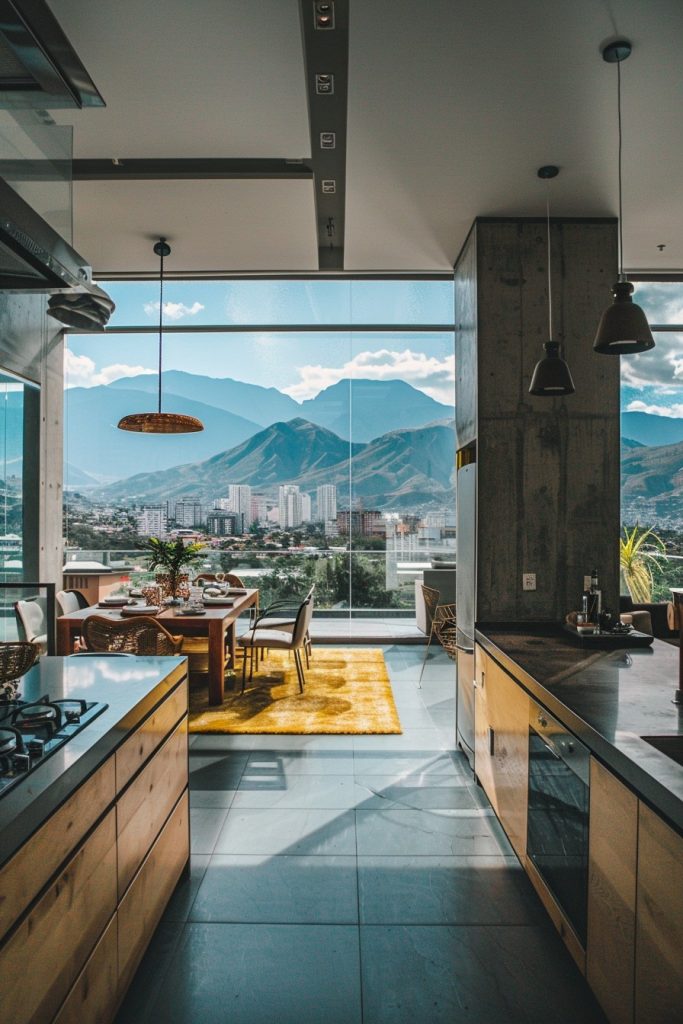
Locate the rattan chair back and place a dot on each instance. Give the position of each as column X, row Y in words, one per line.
column 16, row 658
column 209, row 577
column 139, row 635
column 445, row 628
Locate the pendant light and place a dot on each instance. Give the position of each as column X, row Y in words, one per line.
column 623, row 328
column 551, row 376
column 160, row 422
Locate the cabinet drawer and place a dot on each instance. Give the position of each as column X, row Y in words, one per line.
column 93, row 999
column 22, row 877
column 144, row 903
column 132, row 754
column 142, row 810
column 44, row 956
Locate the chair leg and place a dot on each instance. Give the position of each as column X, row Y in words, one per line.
column 244, row 668
column 251, row 663
column 307, row 644
column 299, row 670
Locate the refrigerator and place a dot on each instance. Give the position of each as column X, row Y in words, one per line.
column 465, row 597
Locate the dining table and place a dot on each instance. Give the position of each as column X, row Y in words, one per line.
column 217, row 622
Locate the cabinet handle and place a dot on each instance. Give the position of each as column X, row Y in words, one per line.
column 492, row 742
column 483, row 679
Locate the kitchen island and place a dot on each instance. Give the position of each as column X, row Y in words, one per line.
column 94, row 838
column 561, row 755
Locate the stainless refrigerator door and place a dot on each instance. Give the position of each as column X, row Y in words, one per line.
column 465, row 541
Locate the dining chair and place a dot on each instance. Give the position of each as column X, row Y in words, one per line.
column 279, row 639
column 286, row 624
column 229, row 578
column 442, row 625
column 67, row 602
column 139, row 635
column 31, row 616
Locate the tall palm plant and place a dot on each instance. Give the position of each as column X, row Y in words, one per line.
column 638, row 565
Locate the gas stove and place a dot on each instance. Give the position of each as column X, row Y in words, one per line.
column 30, row 731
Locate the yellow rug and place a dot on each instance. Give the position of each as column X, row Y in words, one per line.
column 347, row 691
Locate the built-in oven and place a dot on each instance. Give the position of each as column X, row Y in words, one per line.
column 557, row 823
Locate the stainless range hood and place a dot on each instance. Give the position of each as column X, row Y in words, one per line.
column 38, row 66
column 32, row 254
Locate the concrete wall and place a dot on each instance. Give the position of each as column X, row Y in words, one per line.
column 548, row 468
column 31, row 345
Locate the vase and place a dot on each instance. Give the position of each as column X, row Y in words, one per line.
column 171, row 583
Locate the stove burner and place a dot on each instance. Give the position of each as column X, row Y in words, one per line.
column 11, row 740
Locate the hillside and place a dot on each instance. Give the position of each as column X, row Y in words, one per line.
column 280, row 453
column 651, row 430
column 402, row 468
column 653, row 472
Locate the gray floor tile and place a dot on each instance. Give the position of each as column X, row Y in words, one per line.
column 205, row 825
column 280, row 890
column 429, row 792
column 273, row 764
column 138, row 1006
column 446, row 890
column 411, row 739
column 258, row 974
column 336, row 791
column 223, row 742
column 404, row 833
column 304, row 743
column 278, row 830
column 399, row 763
column 487, row 975
column 184, row 894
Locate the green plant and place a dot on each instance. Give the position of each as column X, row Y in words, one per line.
column 637, row 565
column 172, row 556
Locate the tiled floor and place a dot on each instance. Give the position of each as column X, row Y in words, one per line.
column 353, row 879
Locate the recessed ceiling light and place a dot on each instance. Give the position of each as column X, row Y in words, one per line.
column 324, row 84
column 323, row 14
column 328, row 140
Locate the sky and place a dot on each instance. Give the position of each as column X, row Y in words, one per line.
column 304, row 363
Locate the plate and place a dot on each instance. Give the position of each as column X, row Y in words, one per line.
column 113, row 602
column 140, row 609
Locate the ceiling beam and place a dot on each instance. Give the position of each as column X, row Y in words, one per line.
column 326, row 60
column 195, row 168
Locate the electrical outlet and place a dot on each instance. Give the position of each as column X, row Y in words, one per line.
column 528, row 581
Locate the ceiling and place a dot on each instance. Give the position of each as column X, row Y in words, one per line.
column 452, row 107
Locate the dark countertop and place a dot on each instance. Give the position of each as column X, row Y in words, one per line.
column 131, row 687
column 608, row 698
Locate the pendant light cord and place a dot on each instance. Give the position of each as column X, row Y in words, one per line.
column 161, row 313
column 550, row 283
column 621, row 232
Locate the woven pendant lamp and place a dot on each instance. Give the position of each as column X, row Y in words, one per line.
column 160, row 422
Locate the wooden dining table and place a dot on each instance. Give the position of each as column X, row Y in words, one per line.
column 217, row 623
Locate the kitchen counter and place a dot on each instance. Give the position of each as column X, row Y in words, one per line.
column 608, row 698
column 131, row 687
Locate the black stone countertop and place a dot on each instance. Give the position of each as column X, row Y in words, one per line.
column 608, row 698
column 131, row 687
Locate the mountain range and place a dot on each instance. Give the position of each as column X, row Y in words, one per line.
column 650, row 429
column 653, row 472
column 232, row 411
column 402, row 468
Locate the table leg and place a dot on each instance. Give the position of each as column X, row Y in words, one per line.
column 216, row 661
column 65, row 633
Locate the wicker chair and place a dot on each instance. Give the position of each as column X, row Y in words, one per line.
column 442, row 624
column 139, row 635
column 208, row 577
column 16, row 658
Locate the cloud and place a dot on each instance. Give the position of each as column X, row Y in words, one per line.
column 661, row 367
column 81, row 372
column 674, row 412
column 430, row 374
column 174, row 310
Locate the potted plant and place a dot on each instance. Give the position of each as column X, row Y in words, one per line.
column 172, row 556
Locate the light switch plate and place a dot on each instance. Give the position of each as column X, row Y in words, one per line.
column 528, row 581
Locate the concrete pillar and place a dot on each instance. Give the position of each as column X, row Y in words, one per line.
column 547, row 468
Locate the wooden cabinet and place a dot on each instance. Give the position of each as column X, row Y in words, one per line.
column 65, row 919
column 612, row 863
column 501, row 750
column 659, row 921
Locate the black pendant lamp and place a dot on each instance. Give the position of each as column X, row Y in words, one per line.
column 551, row 376
column 160, row 422
column 623, row 328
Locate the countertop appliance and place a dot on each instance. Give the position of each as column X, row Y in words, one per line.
column 32, row 730
column 557, row 821
column 465, row 602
